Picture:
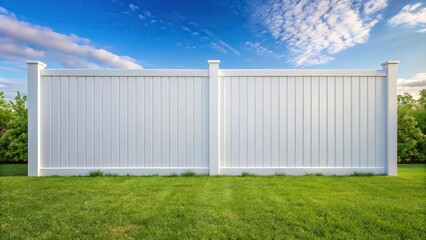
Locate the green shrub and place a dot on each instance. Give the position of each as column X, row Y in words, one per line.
column 318, row 174
column 13, row 129
column 189, row 174
column 410, row 139
column 247, row 174
column 96, row 173
column 363, row 174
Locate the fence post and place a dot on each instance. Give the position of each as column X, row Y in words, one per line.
column 34, row 121
column 214, row 113
column 391, row 69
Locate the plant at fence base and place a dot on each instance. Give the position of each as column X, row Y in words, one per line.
column 14, row 129
column 412, row 127
column 96, row 173
column 188, row 174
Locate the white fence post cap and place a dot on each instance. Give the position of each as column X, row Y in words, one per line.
column 213, row 61
column 36, row 62
column 390, row 62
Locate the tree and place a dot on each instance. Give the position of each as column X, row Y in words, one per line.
column 409, row 139
column 422, row 99
column 13, row 142
column 5, row 113
column 411, row 127
column 419, row 112
column 406, row 101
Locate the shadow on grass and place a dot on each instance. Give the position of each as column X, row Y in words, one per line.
column 20, row 169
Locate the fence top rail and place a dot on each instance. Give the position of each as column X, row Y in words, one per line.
column 300, row 73
column 126, row 73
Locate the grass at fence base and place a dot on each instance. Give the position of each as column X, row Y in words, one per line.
column 253, row 207
column 13, row 169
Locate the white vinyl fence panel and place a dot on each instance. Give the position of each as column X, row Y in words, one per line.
column 212, row 121
column 334, row 121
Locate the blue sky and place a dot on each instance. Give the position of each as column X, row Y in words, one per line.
column 185, row 34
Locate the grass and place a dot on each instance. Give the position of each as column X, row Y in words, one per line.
column 13, row 170
column 281, row 207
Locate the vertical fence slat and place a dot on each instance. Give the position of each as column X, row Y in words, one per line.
column 283, row 160
column 307, row 133
column 251, row 121
column 94, row 92
column 235, row 122
column 243, row 126
column 197, row 111
column 131, row 121
column 275, row 127
column 148, row 122
column 371, row 125
column 81, row 123
column 165, row 127
column 339, row 148
column 56, row 122
column 347, row 118
column 355, row 122
column 331, row 121
column 89, row 122
column 291, row 124
column 315, row 121
column 181, row 122
column 363, row 125
column 298, row 111
column 173, row 101
column 106, row 122
column 140, row 121
column 259, row 121
column 323, row 93
column 46, row 112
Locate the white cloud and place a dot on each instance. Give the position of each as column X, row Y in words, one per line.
column 373, row 6
column 412, row 15
column 10, row 87
column 218, row 47
column 261, row 50
column 412, row 85
column 133, row 7
column 21, row 40
column 147, row 13
column 223, row 47
column 186, row 29
column 314, row 30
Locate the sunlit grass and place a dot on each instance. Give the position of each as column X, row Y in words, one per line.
column 249, row 207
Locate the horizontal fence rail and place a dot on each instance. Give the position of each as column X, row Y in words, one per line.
column 215, row 121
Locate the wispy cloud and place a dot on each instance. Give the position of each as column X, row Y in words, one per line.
column 11, row 86
column 412, row 15
column 21, row 40
column 223, row 47
column 314, row 30
column 189, row 28
column 133, row 7
column 412, row 85
column 260, row 50
column 218, row 47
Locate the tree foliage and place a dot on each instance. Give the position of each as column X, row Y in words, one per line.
column 412, row 127
column 14, row 125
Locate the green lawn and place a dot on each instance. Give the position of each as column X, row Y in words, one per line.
column 354, row 207
column 13, row 169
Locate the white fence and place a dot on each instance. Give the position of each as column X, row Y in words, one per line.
column 211, row 121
